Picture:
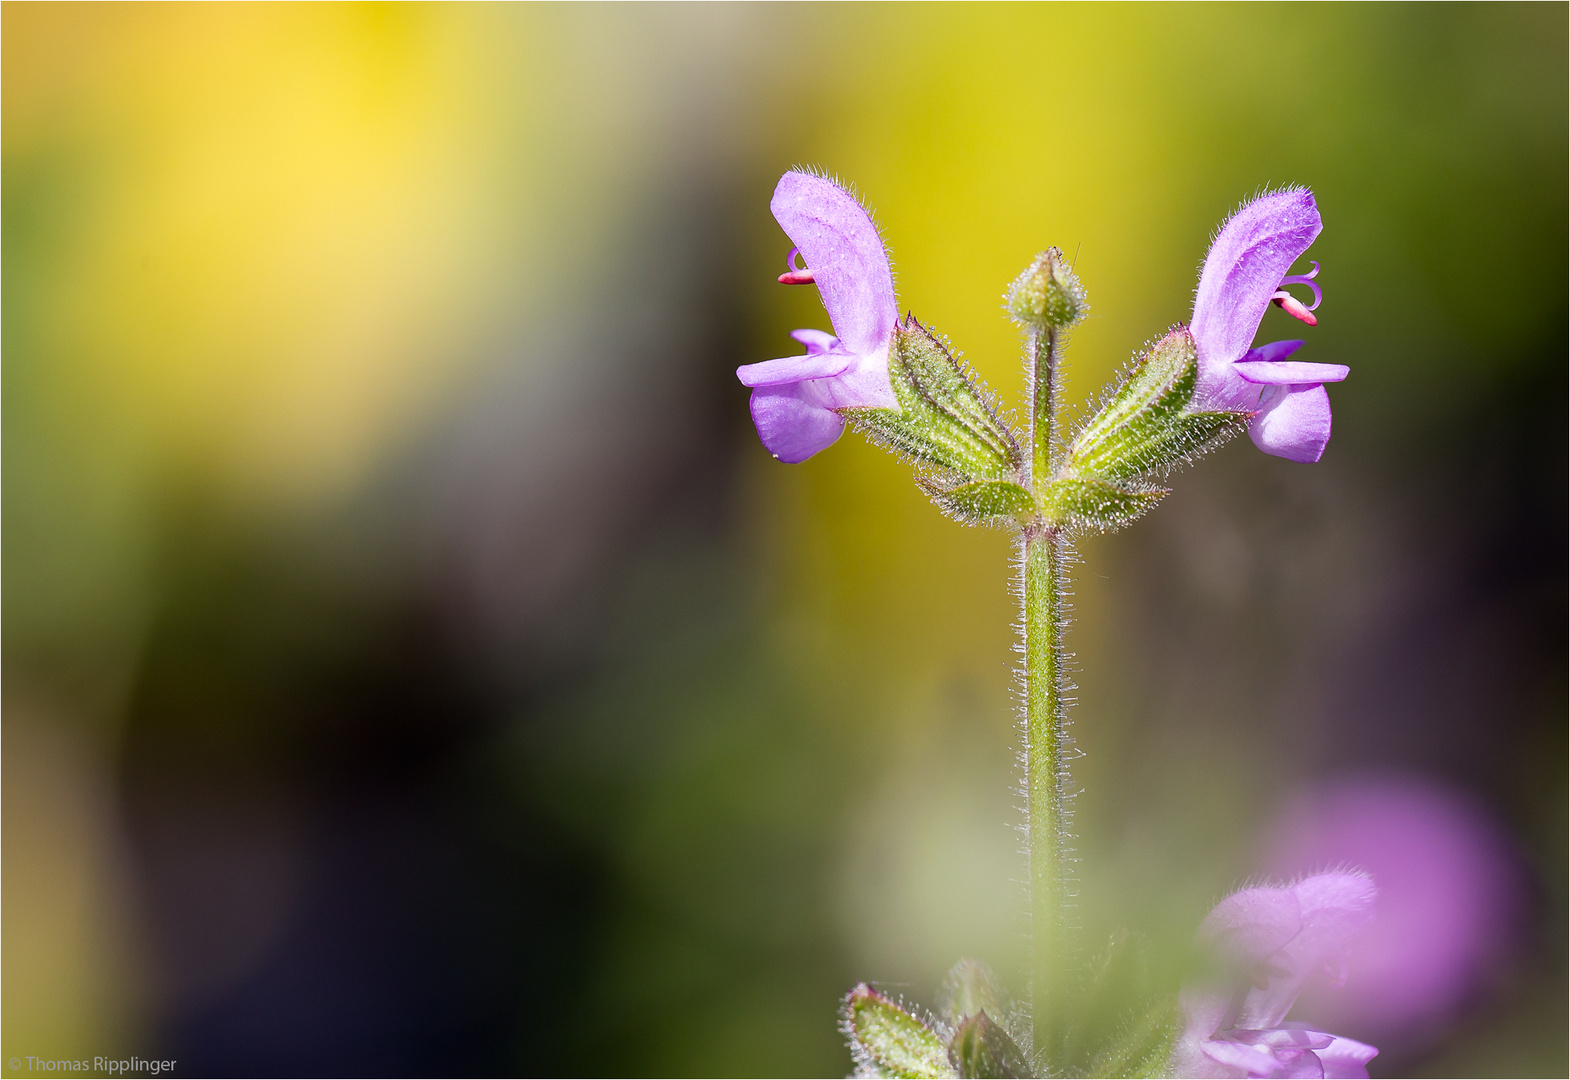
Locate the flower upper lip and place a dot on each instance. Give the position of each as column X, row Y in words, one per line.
column 1244, row 270
column 844, row 254
column 1288, row 936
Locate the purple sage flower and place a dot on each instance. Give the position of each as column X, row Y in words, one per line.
column 1272, row 942
column 794, row 399
column 1452, row 896
column 1245, row 272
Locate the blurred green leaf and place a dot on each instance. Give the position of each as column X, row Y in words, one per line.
column 1142, row 1045
column 968, row 989
column 1124, row 1021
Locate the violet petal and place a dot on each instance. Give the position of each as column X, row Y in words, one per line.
column 1275, row 350
column 1250, row 255
column 1303, row 1066
column 842, row 248
column 1286, row 1037
column 816, row 340
column 1345, row 1058
column 1289, row 372
column 1292, row 422
column 1253, row 1060
column 791, row 424
column 1335, row 909
column 791, row 369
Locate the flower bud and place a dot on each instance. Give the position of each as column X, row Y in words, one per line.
column 982, row 1048
column 1047, row 295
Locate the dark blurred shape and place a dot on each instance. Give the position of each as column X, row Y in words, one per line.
column 1451, row 897
column 334, row 882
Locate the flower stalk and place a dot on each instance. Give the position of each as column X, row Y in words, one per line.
column 1041, row 359
column 1048, row 837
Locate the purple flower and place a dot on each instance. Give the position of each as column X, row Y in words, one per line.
column 1452, row 896
column 794, row 399
column 1272, row 942
column 1245, row 272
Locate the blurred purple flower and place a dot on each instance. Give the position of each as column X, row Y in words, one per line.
column 1245, row 272
column 1451, row 895
column 1272, row 942
column 794, row 399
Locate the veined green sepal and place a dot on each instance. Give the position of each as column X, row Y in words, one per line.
column 1079, row 504
column 946, row 418
column 1145, row 426
column 886, row 1040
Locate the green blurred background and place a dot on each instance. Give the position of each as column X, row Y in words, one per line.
column 413, row 663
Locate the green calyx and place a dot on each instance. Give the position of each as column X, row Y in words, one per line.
column 948, row 423
column 1047, row 295
column 946, row 419
column 886, row 1040
column 1146, row 427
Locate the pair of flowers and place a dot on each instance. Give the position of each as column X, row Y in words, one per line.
column 795, row 400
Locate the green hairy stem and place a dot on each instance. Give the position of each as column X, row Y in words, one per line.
column 1042, row 347
column 1042, row 588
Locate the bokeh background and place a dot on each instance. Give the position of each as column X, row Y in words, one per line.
column 412, row 663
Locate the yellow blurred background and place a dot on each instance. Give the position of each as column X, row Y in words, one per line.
column 413, row 663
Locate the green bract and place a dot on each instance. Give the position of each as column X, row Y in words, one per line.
column 989, row 502
column 1080, row 505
